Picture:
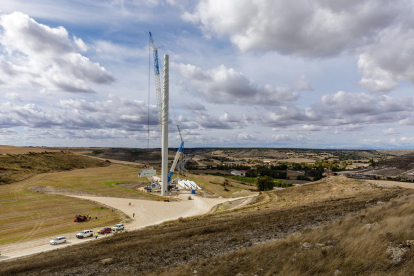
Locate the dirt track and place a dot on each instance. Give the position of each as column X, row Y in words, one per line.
column 146, row 213
column 407, row 185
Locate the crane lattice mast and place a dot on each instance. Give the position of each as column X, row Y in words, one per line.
column 157, row 82
column 177, row 157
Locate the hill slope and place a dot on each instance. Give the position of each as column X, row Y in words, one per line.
column 16, row 167
column 161, row 249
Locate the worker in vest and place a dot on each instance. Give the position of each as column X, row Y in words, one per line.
column 96, row 235
column 115, row 231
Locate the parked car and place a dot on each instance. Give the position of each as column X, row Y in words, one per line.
column 84, row 234
column 58, row 240
column 118, row 227
column 105, row 230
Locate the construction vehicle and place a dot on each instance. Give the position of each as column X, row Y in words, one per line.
column 177, row 156
column 166, row 199
column 80, row 218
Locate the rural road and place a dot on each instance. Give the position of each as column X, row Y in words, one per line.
column 146, row 213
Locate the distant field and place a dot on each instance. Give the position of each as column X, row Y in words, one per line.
column 20, row 150
column 212, row 184
column 26, row 215
column 298, row 160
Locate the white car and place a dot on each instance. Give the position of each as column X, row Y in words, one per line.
column 118, row 227
column 58, row 240
column 84, row 234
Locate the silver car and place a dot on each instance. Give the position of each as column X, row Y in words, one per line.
column 118, row 227
column 58, row 240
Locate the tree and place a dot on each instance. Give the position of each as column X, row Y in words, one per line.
column 264, row 183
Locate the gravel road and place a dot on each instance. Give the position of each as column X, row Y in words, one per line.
column 146, row 213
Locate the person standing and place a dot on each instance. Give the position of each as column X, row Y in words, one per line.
column 96, row 235
column 133, row 215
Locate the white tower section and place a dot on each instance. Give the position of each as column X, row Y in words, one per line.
column 164, row 148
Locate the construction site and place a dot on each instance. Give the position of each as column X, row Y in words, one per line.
column 75, row 211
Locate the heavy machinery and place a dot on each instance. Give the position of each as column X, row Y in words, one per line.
column 177, row 156
column 80, row 218
column 157, row 80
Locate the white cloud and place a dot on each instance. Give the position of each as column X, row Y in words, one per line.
column 353, row 127
column 224, row 85
column 80, row 44
column 342, row 109
column 302, row 84
column 14, row 97
column 310, row 128
column 323, row 28
column 35, row 55
column 108, row 50
column 390, row 131
column 390, row 58
column 379, row 32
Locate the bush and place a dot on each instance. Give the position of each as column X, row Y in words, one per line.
column 265, row 183
column 241, row 178
column 281, row 184
column 302, row 177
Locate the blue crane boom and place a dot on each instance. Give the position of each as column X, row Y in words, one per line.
column 157, row 81
column 177, row 156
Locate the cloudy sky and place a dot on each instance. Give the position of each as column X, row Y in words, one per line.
column 243, row 73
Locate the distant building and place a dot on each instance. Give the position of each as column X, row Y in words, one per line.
column 238, row 173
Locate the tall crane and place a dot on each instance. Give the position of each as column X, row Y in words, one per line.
column 157, row 81
column 177, row 156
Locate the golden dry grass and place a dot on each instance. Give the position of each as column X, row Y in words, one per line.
column 20, row 150
column 16, row 167
column 212, row 184
column 346, row 245
column 26, row 215
column 205, row 243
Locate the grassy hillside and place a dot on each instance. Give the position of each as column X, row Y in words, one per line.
column 26, row 214
column 206, row 243
column 368, row 243
column 16, row 167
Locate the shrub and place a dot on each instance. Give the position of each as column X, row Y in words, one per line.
column 302, row 177
column 281, row 184
column 265, row 183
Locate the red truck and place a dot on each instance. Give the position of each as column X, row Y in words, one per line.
column 80, row 218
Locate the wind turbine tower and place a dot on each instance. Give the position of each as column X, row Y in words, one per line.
column 164, row 148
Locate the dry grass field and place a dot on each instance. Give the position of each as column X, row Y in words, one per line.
column 298, row 160
column 16, row 167
column 243, row 241
column 213, row 184
column 20, row 150
column 347, row 246
column 27, row 215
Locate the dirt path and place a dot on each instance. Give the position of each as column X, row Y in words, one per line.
column 115, row 161
column 407, row 185
column 146, row 213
